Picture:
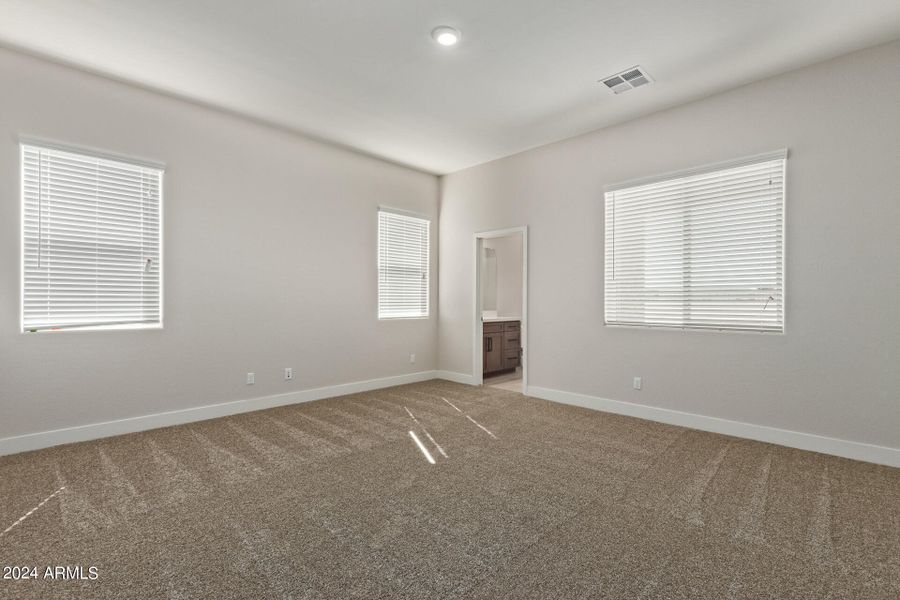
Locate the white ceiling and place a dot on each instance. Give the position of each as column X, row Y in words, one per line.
column 366, row 74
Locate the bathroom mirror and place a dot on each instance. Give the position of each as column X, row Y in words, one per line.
column 489, row 282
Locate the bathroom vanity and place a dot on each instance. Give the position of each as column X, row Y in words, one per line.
column 502, row 345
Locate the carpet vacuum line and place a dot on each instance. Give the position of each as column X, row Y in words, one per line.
column 30, row 512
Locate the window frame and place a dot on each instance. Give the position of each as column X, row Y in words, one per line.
column 428, row 270
column 782, row 155
column 92, row 153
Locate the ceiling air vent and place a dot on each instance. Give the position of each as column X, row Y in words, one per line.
column 627, row 80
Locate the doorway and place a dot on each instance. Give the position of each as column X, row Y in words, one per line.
column 500, row 342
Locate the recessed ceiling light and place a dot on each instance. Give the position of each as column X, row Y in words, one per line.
column 446, row 36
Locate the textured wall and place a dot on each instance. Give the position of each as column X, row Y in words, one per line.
column 835, row 370
column 269, row 243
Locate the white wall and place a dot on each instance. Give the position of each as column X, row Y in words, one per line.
column 269, row 259
column 509, row 274
column 836, row 370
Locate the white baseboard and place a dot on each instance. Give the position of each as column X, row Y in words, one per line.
column 793, row 439
column 455, row 377
column 81, row 433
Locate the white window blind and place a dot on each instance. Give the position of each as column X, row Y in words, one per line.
column 403, row 250
column 91, row 237
column 702, row 249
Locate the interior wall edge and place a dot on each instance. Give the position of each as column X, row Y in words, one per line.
column 211, row 106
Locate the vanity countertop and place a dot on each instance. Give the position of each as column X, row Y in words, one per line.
column 500, row 319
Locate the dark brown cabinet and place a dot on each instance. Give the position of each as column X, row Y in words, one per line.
column 502, row 346
column 493, row 352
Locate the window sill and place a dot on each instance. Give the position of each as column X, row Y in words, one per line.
column 676, row 328
column 425, row 318
column 121, row 327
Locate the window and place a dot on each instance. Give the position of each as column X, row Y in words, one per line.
column 403, row 250
column 91, row 241
column 702, row 249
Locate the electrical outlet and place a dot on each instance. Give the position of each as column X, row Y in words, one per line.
column 288, row 374
column 412, row 358
column 637, row 383
column 251, row 378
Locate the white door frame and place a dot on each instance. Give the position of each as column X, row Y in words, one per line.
column 478, row 337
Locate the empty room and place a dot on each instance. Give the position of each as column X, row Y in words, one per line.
column 433, row 299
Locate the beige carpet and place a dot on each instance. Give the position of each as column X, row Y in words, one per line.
column 335, row 499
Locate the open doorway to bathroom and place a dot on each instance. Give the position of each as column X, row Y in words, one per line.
column 501, row 300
